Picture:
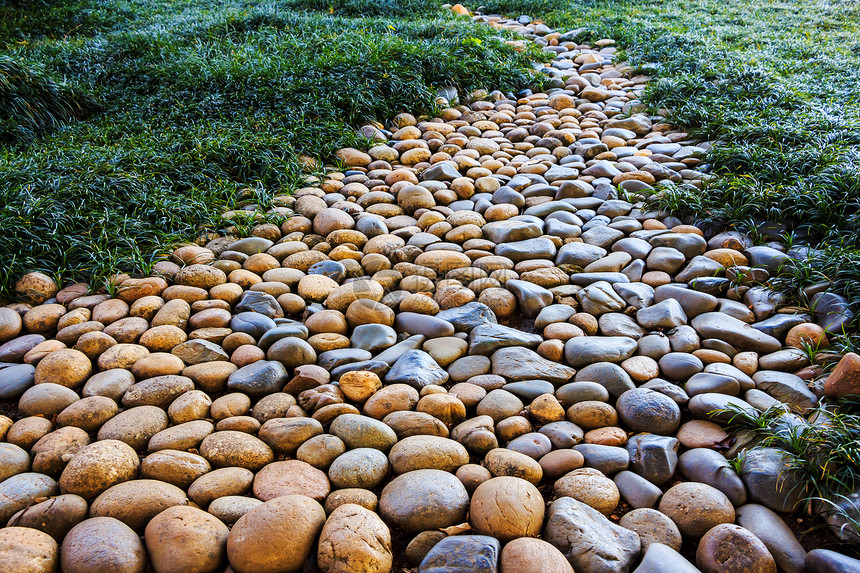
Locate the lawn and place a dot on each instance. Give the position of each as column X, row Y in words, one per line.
column 126, row 125
column 775, row 84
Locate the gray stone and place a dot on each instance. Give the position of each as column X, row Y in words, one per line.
column 576, row 392
column 698, row 267
column 786, row 388
column 689, row 244
column 680, row 365
column 673, row 391
column 552, row 314
column 599, row 298
column 776, row 536
column 644, row 410
column 661, row 558
column 523, row 364
column 588, row 539
column 466, row 317
column 579, row 254
column 655, row 345
column 832, row 312
column 584, row 350
column 728, row 370
column 511, row 231
column 424, row 499
column 373, row 337
column 637, row 295
column 282, row 331
column 654, row 457
column 779, row 324
column 769, row 480
column 252, row 323
column 391, row 354
column 766, row 258
column 711, row 406
column 251, row 245
column 417, row 369
column 528, row 390
column 608, row 459
column 684, row 339
column 429, row 326
column 665, row 314
column 335, row 358
column 462, row 553
column 332, row 269
column 637, row 491
column 532, row 298
column 611, row 376
column 586, row 279
column 617, row 324
column 259, row 302
column 826, row 561
column 15, row 380
column 703, row 382
column 259, row 378
column 693, row 302
column 529, row 249
column 442, row 171
column 562, row 434
column 710, row 467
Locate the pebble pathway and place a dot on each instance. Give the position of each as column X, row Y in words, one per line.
column 473, row 348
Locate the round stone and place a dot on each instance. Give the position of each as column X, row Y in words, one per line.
column 427, row 452
column 275, row 537
column 696, row 507
column 135, row 502
column 291, row 477
column 507, row 508
column 590, row 487
column 529, row 555
column 67, row 367
column 181, row 539
column 503, row 462
column 644, row 410
column 364, row 468
column 102, row 544
column 25, row 550
column 424, row 499
column 652, row 527
column 354, row 539
column 99, row 466
column 729, row 548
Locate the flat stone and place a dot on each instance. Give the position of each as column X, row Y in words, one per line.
column 769, row 481
column 735, row 332
column 523, row 364
column 776, row 536
column 585, row 350
column 259, row 379
column 485, row 339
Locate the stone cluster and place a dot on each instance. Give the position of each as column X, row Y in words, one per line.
column 475, row 336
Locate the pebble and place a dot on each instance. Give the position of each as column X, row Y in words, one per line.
column 464, row 284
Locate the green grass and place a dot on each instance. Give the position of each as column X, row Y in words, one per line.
column 775, row 84
column 198, row 100
column 825, row 455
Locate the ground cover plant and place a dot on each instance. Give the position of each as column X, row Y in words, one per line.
column 776, row 86
column 127, row 125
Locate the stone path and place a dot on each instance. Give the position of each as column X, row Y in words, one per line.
column 473, row 348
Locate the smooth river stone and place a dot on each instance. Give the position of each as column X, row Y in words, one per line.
column 487, row 338
column 736, row 332
column 517, row 364
column 429, row 326
column 528, row 249
column 585, row 350
column 417, row 369
column 466, row 317
column 531, row 298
